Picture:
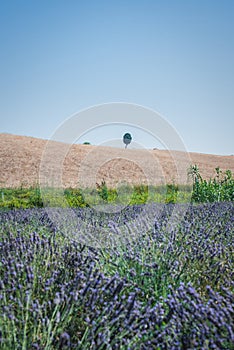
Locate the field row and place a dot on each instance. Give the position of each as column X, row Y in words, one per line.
column 154, row 276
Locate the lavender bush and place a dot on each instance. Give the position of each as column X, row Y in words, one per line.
column 168, row 288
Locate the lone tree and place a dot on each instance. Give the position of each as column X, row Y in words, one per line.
column 127, row 138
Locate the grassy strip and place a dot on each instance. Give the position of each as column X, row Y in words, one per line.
column 220, row 188
column 33, row 197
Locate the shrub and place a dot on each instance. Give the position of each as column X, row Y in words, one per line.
column 220, row 188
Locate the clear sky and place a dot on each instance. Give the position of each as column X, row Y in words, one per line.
column 173, row 56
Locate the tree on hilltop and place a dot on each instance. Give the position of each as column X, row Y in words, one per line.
column 127, row 138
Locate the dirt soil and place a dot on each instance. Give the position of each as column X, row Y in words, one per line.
column 27, row 161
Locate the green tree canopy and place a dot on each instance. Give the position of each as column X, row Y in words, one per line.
column 127, row 138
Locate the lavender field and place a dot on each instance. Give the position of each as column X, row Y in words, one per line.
column 157, row 283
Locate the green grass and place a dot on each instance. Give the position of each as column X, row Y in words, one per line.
column 52, row 197
column 220, row 188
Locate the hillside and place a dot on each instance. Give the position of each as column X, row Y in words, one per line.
column 26, row 161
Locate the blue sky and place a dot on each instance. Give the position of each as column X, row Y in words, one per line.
column 176, row 57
